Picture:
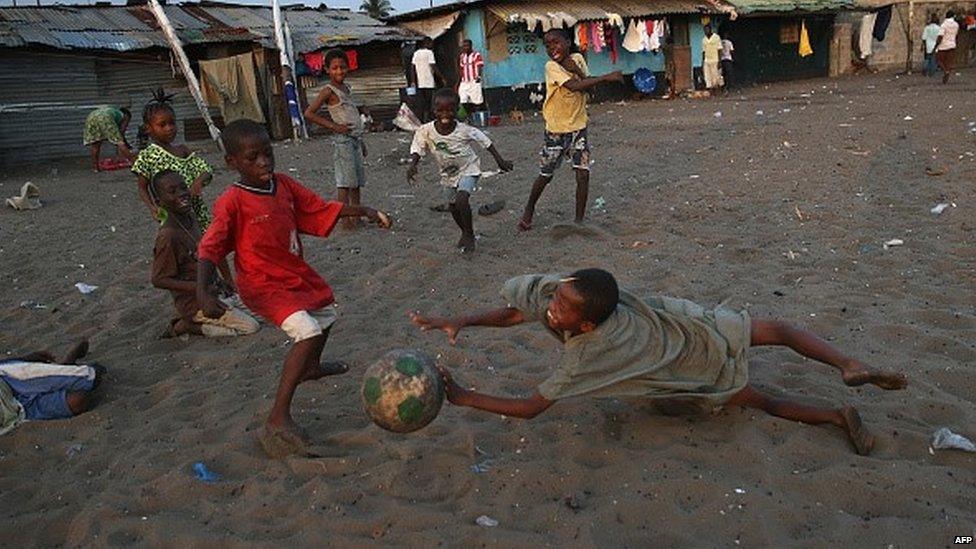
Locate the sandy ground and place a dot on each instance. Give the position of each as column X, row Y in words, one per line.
column 783, row 212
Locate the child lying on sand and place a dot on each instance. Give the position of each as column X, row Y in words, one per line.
column 38, row 387
column 658, row 347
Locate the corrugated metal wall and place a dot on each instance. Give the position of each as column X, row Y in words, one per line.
column 45, row 98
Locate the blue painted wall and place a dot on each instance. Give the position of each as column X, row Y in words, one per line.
column 529, row 68
column 696, row 33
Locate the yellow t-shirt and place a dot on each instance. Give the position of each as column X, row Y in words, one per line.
column 564, row 111
column 712, row 47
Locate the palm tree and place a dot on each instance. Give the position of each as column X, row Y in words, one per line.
column 377, row 9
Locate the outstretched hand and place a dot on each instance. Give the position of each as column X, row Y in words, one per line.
column 454, row 392
column 446, row 325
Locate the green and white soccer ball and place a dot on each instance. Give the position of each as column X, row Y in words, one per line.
column 403, row 391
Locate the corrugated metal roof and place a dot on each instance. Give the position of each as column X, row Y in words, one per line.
column 585, row 10
column 779, row 6
column 125, row 28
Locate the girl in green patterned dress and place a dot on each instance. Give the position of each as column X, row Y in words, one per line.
column 107, row 124
column 159, row 124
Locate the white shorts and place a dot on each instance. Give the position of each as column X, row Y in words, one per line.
column 302, row 325
column 470, row 92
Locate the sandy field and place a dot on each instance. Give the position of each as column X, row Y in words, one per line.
column 780, row 204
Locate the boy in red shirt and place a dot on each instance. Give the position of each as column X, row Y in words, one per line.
column 259, row 218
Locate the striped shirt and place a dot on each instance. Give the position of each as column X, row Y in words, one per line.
column 469, row 66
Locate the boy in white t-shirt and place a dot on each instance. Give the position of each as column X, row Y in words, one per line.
column 945, row 47
column 450, row 142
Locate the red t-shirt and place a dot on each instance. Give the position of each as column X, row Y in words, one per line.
column 261, row 227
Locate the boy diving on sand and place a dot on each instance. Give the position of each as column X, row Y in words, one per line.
column 617, row 344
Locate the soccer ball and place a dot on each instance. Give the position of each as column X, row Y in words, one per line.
column 403, row 391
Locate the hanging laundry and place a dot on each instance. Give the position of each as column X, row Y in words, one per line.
column 561, row 19
column 645, row 38
column 881, row 23
column 231, row 84
column 656, row 29
column 864, row 35
column 805, row 48
column 615, row 20
column 596, row 32
column 315, row 61
column 613, row 42
column 582, row 37
column 352, row 58
column 632, row 40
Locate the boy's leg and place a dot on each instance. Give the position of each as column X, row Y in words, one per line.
column 551, row 157
column 537, row 187
column 78, row 351
column 582, row 192
column 461, row 212
column 854, row 372
column 846, row 418
column 580, row 154
column 282, row 434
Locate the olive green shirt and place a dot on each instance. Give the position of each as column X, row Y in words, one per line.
column 658, row 347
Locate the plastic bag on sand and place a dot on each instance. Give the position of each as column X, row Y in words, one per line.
column 486, row 521
column 406, row 120
column 944, row 439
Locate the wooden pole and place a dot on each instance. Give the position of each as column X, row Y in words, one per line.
column 191, row 80
column 287, row 77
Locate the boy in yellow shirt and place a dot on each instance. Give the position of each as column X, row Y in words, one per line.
column 564, row 110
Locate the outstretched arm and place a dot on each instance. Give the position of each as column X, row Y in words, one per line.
column 380, row 218
column 582, row 84
column 497, row 318
column 525, row 408
column 503, row 165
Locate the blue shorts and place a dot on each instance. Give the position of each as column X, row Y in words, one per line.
column 466, row 183
column 42, row 388
column 348, row 163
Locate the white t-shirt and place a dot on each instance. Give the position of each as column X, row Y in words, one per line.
column 453, row 152
column 422, row 60
column 948, row 31
column 727, row 49
column 930, row 35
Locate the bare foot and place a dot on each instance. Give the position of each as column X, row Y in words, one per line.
column 860, row 374
column 525, row 224
column 862, row 440
column 466, row 244
column 283, row 440
column 325, row 369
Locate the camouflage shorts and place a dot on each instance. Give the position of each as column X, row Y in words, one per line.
column 561, row 145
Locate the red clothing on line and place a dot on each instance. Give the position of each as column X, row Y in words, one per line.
column 261, row 227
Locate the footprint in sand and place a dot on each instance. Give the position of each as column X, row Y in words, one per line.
column 560, row 231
